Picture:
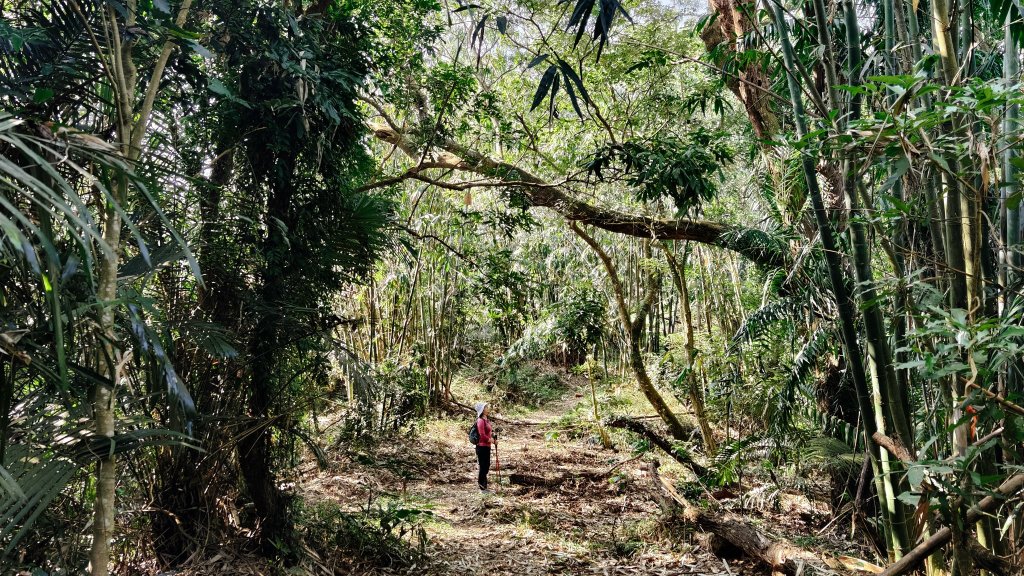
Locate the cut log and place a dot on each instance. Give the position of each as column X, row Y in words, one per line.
column 546, row 482
column 531, row 480
column 653, row 437
column 780, row 554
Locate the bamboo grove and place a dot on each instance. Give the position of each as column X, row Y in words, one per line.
column 786, row 225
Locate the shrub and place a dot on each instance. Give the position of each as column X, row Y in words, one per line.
column 386, row 536
column 524, row 384
column 389, row 399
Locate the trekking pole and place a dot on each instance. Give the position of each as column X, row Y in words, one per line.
column 497, row 464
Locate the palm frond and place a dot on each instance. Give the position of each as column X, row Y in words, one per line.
column 760, row 322
column 818, row 344
column 764, row 246
column 35, row 475
column 48, row 64
column 830, row 454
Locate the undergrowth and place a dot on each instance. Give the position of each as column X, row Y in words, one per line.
column 389, row 535
column 525, row 384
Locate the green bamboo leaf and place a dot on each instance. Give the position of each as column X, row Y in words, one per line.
column 571, row 75
column 572, row 98
column 545, row 85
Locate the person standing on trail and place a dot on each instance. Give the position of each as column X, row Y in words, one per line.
column 483, row 446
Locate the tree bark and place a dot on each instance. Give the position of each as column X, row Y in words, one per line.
column 634, row 330
column 255, row 447
column 751, row 84
column 103, row 397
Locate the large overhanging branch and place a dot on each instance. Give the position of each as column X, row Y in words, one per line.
column 450, row 155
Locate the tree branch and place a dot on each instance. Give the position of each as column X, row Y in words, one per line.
column 894, row 446
column 537, row 192
column 142, row 124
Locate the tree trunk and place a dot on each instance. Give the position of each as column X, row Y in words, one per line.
column 255, row 448
column 103, row 395
column 833, row 260
column 891, row 403
column 634, row 330
column 131, row 126
column 1012, row 260
column 678, row 271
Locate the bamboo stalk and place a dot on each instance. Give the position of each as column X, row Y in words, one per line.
column 847, row 309
column 942, row 537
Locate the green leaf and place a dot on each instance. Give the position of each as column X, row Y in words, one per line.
column 200, row 49
column 571, row 75
column 218, row 87
column 899, row 168
column 42, row 95
column 939, row 160
column 181, row 33
column 572, row 98
column 537, row 60
column 915, row 474
column 909, row 499
column 545, row 85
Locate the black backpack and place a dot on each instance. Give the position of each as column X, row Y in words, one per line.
column 474, row 434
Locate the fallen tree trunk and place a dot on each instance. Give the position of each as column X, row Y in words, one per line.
column 640, row 428
column 912, row 559
column 531, row 480
column 778, row 553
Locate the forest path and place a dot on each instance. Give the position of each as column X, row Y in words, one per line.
column 592, row 523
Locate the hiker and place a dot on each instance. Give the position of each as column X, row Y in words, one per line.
column 483, row 445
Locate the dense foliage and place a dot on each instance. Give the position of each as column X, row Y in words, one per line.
column 799, row 224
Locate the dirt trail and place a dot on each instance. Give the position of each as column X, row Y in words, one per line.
column 608, row 525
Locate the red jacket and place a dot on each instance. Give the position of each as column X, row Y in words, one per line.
column 484, row 428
